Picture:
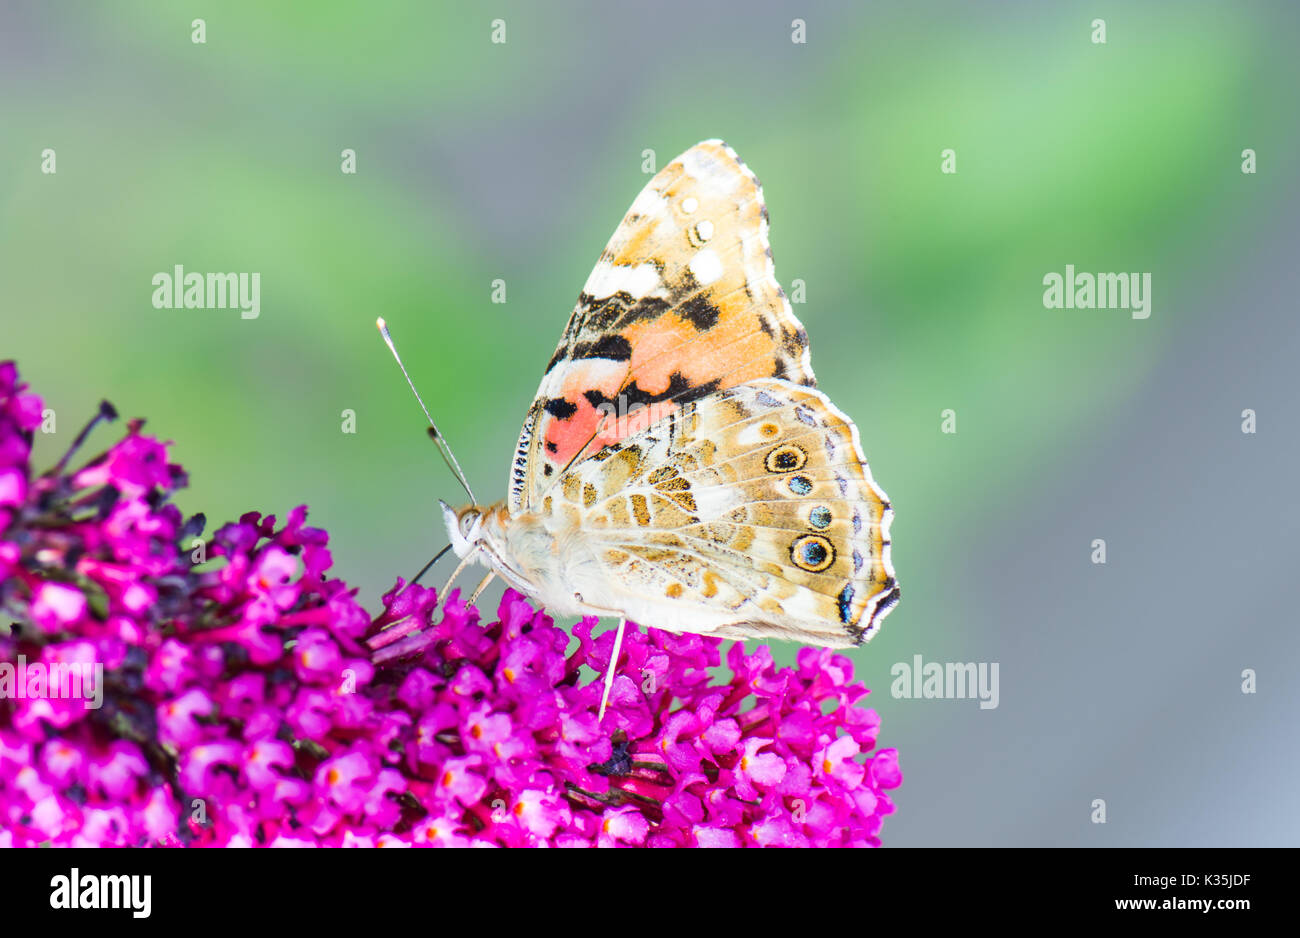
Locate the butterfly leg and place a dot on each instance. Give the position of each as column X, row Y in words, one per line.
column 442, row 594
column 612, row 669
column 482, row 584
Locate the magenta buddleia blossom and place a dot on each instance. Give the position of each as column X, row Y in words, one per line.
column 248, row 699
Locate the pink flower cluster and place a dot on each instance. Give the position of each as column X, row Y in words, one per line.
column 247, row 699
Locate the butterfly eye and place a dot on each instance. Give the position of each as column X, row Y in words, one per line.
column 812, row 552
column 467, row 521
column 786, row 458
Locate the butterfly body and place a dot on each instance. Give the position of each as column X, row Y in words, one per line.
column 544, row 556
column 678, row 466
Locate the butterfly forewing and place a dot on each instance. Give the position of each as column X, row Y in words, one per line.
column 682, row 303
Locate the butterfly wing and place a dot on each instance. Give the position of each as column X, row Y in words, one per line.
column 683, row 302
column 747, row 513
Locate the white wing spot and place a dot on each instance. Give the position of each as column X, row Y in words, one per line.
column 704, row 229
column 715, row 501
column 705, row 267
column 648, row 203
column 690, row 204
column 709, row 170
column 607, row 279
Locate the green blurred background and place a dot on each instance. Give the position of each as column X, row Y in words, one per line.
column 478, row 161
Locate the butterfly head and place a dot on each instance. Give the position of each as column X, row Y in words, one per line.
column 464, row 527
column 487, row 533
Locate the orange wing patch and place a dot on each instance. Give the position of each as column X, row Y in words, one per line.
column 682, row 302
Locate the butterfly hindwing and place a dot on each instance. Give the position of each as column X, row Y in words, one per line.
column 748, row 512
column 683, row 302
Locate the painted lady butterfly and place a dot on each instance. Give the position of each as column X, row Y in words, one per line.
column 678, row 466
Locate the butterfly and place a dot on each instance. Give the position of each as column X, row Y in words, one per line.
column 678, row 466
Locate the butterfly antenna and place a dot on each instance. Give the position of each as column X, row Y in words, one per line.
column 447, row 454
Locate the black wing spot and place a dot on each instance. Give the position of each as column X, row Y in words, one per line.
column 786, row 458
column 812, row 552
column 846, row 603
column 890, row 599
column 794, row 342
column 679, row 390
column 612, row 346
column 619, row 311
column 561, row 409
column 559, row 356
column 702, row 314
